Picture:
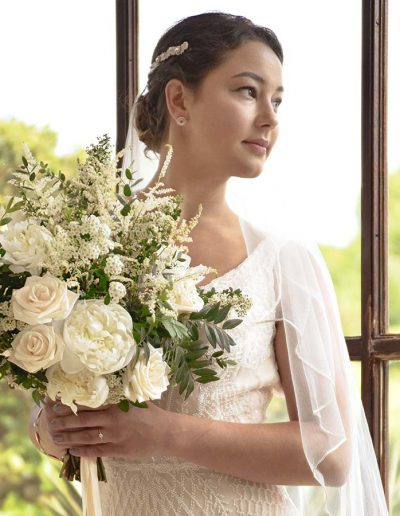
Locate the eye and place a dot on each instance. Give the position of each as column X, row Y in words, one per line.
column 250, row 88
column 278, row 102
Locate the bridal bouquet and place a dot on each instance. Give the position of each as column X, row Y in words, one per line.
column 98, row 301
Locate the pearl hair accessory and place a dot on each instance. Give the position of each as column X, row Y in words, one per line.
column 170, row 52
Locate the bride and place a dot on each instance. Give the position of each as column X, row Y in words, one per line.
column 213, row 92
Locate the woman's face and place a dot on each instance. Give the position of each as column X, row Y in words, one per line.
column 238, row 101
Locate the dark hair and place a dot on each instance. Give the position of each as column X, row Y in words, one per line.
column 210, row 36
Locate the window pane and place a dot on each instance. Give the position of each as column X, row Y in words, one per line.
column 57, row 92
column 59, row 82
column 394, row 437
column 315, row 167
column 394, row 166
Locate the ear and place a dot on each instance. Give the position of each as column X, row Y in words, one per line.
column 177, row 98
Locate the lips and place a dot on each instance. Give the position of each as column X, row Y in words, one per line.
column 261, row 142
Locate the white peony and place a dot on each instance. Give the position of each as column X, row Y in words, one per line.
column 25, row 244
column 83, row 388
column 42, row 299
column 184, row 296
column 36, row 348
column 98, row 337
column 142, row 381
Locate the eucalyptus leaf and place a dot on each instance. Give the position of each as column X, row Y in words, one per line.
column 202, row 313
column 36, row 397
column 183, row 385
column 210, row 334
column 189, row 390
column 201, row 379
column 205, row 372
column 17, row 206
column 125, row 210
column 193, row 355
column 231, row 323
column 181, row 374
column 137, row 182
column 124, row 405
column 139, row 404
column 199, row 363
column 213, row 312
column 221, row 316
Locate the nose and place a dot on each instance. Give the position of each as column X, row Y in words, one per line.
column 267, row 114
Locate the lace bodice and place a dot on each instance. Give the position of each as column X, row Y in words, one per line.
column 244, row 391
column 166, row 486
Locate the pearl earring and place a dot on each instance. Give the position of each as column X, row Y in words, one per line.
column 181, row 120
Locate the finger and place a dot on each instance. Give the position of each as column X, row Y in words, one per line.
column 92, row 409
column 47, row 400
column 79, row 438
column 72, row 422
column 57, row 409
column 97, row 450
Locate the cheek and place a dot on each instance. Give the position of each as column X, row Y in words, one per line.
column 275, row 134
column 220, row 118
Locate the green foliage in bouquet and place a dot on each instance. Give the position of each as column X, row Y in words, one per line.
column 94, row 239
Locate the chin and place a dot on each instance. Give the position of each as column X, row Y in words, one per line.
column 252, row 169
column 248, row 173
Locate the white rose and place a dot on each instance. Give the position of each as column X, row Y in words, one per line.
column 83, row 388
column 25, row 244
column 42, row 299
column 184, row 296
column 143, row 381
column 98, row 337
column 36, row 348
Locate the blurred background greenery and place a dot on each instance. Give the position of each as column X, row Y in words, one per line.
column 29, row 481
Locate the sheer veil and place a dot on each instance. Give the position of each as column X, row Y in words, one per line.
column 334, row 431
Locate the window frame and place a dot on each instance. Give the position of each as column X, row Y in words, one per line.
column 375, row 347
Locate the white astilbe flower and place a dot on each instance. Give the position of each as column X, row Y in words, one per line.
column 151, row 288
column 7, row 319
column 116, row 389
column 71, row 253
column 240, row 304
column 62, row 254
column 114, row 266
column 117, row 291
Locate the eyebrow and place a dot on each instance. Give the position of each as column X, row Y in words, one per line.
column 256, row 78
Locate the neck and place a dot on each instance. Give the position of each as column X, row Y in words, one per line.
column 197, row 186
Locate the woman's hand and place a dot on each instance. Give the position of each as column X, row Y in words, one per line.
column 138, row 433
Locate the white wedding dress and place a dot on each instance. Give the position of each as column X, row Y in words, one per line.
column 165, row 486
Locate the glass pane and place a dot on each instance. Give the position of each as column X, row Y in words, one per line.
column 394, row 166
column 58, row 92
column 59, row 84
column 318, row 149
column 394, row 437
